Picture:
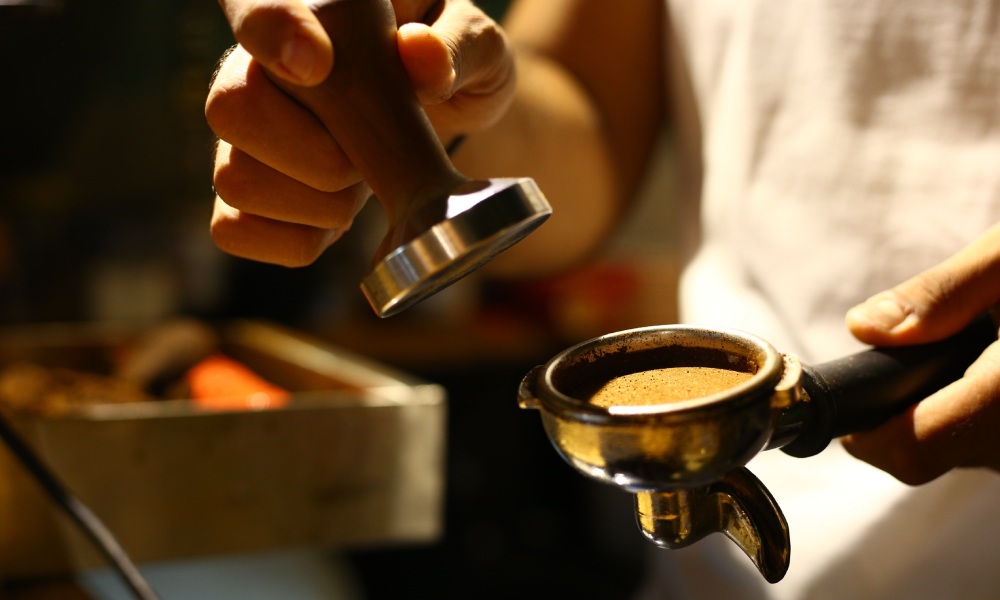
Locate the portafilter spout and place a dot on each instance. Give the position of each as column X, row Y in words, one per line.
column 442, row 224
column 684, row 459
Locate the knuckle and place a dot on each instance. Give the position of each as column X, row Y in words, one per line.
column 223, row 106
column 339, row 220
column 340, row 211
column 911, row 464
column 269, row 242
column 326, row 167
column 911, row 472
column 330, row 176
column 230, row 184
column 304, row 249
column 893, row 451
column 933, row 289
column 493, row 37
column 491, row 42
column 261, row 28
column 224, row 236
column 226, row 101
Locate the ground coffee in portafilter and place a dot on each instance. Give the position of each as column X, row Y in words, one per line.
column 625, row 376
column 664, row 386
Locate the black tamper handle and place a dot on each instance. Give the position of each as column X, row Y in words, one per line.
column 863, row 390
column 368, row 104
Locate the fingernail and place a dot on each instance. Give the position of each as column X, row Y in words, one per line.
column 884, row 313
column 298, row 56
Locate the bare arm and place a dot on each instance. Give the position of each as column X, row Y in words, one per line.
column 588, row 108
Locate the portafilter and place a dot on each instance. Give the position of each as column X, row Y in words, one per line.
column 684, row 460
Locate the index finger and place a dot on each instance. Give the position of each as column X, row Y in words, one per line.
column 283, row 35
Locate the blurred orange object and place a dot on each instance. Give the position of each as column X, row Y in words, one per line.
column 221, row 383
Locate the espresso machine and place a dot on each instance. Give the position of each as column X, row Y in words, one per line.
column 684, row 460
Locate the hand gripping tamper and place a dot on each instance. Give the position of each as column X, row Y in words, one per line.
column 442, row 225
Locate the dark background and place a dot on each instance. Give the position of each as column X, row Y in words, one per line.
column 105, row 194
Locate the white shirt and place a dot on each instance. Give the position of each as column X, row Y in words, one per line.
column 835, row 148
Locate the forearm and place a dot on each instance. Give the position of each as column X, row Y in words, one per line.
column 587, row 111
column 551, row 133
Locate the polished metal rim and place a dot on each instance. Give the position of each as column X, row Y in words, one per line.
column 455, row 247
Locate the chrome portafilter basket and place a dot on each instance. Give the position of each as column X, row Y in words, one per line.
column 684, row 460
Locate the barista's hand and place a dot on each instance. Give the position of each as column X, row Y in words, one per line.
column 285, row 189
column 959, row 425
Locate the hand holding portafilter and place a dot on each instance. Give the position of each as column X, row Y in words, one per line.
column 442, row 225
column 684, row 460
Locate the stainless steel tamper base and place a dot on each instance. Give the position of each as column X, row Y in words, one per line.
column 475, row 228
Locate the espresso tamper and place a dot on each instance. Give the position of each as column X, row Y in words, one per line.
column 684, row 460
column 442, row 225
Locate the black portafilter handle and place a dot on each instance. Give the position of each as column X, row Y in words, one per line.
column 861, row 391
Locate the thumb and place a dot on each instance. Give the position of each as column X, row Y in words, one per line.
column 936, row 303
column 428, row 61
column 462, row 57
column 283, row 35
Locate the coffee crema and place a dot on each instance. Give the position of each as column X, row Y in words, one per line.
column 665, row 386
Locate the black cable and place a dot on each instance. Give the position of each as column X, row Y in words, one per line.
column 78, row 512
